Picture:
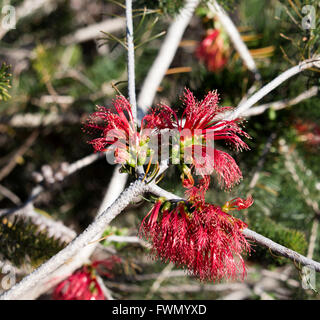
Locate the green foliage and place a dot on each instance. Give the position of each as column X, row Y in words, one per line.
column 287, row 237
column 112, row 230
column 170, row 7
column 21, row 241
column 5, row 78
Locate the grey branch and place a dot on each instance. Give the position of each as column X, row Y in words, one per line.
column 242, row 108
column 165, row 55
column 281, row 250
column 60, row 176
column 78, row 244
column 235, row 37
column 116, row 186
column 278, row 105
column 130, row 57
column 94, row 31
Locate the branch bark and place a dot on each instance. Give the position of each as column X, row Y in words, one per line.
column 243, row 107
column 235, row 37
column 165, row 55
column 256, row 237
column 78, row 244
column 281, row 104
column 131, row 64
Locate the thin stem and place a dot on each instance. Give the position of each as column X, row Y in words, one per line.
column 130, row 53
column 165, row 55
column 242, row 108
column 235, row 37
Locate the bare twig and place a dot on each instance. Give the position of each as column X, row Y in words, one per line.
column 94, row 31
column 165, row 55
column 131, row 64
column 157, row 283
column 313, row 237
column 278, row 105
column 105, row 290
column 242, row 108
column 33, row 120
column 13, row 162
column 235, row 37
column 10, row 195
column 68, row 170
column 281, row 250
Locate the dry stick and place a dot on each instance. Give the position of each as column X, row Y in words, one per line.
column 10, row 195
column 106, row 292
column 72, row 168
column 258, row 238
column 152, row 276
column 165, row 55
column 13, row 162
column 278, row 105
column 94, row 31
column 33, row 120
column 78, row 244
column 235, row 37
column 242, row 108
column 179, row 288
column 313, row 237
column 130, row 57
column 157, row 283
column 54, row 228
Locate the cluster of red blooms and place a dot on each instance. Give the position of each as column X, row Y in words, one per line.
column 202, row 237
column 309, row 132
column 199, row 236
column 83, row 284
column 213, row 50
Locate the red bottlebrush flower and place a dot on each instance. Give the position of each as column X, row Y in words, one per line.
column 201, row 237
column 118, row 129
column 213, row 50
column 115, row 128
column 197, row 193
column 237, row 204
column 308, row 132
column 199, row 129
column 81, row 285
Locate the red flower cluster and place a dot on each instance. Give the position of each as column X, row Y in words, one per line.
column 308, row 132
column 204, row 128
column 82, row 284
column 202, row 237
column 197, row 131
column 213, row 50
column 198, row 236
